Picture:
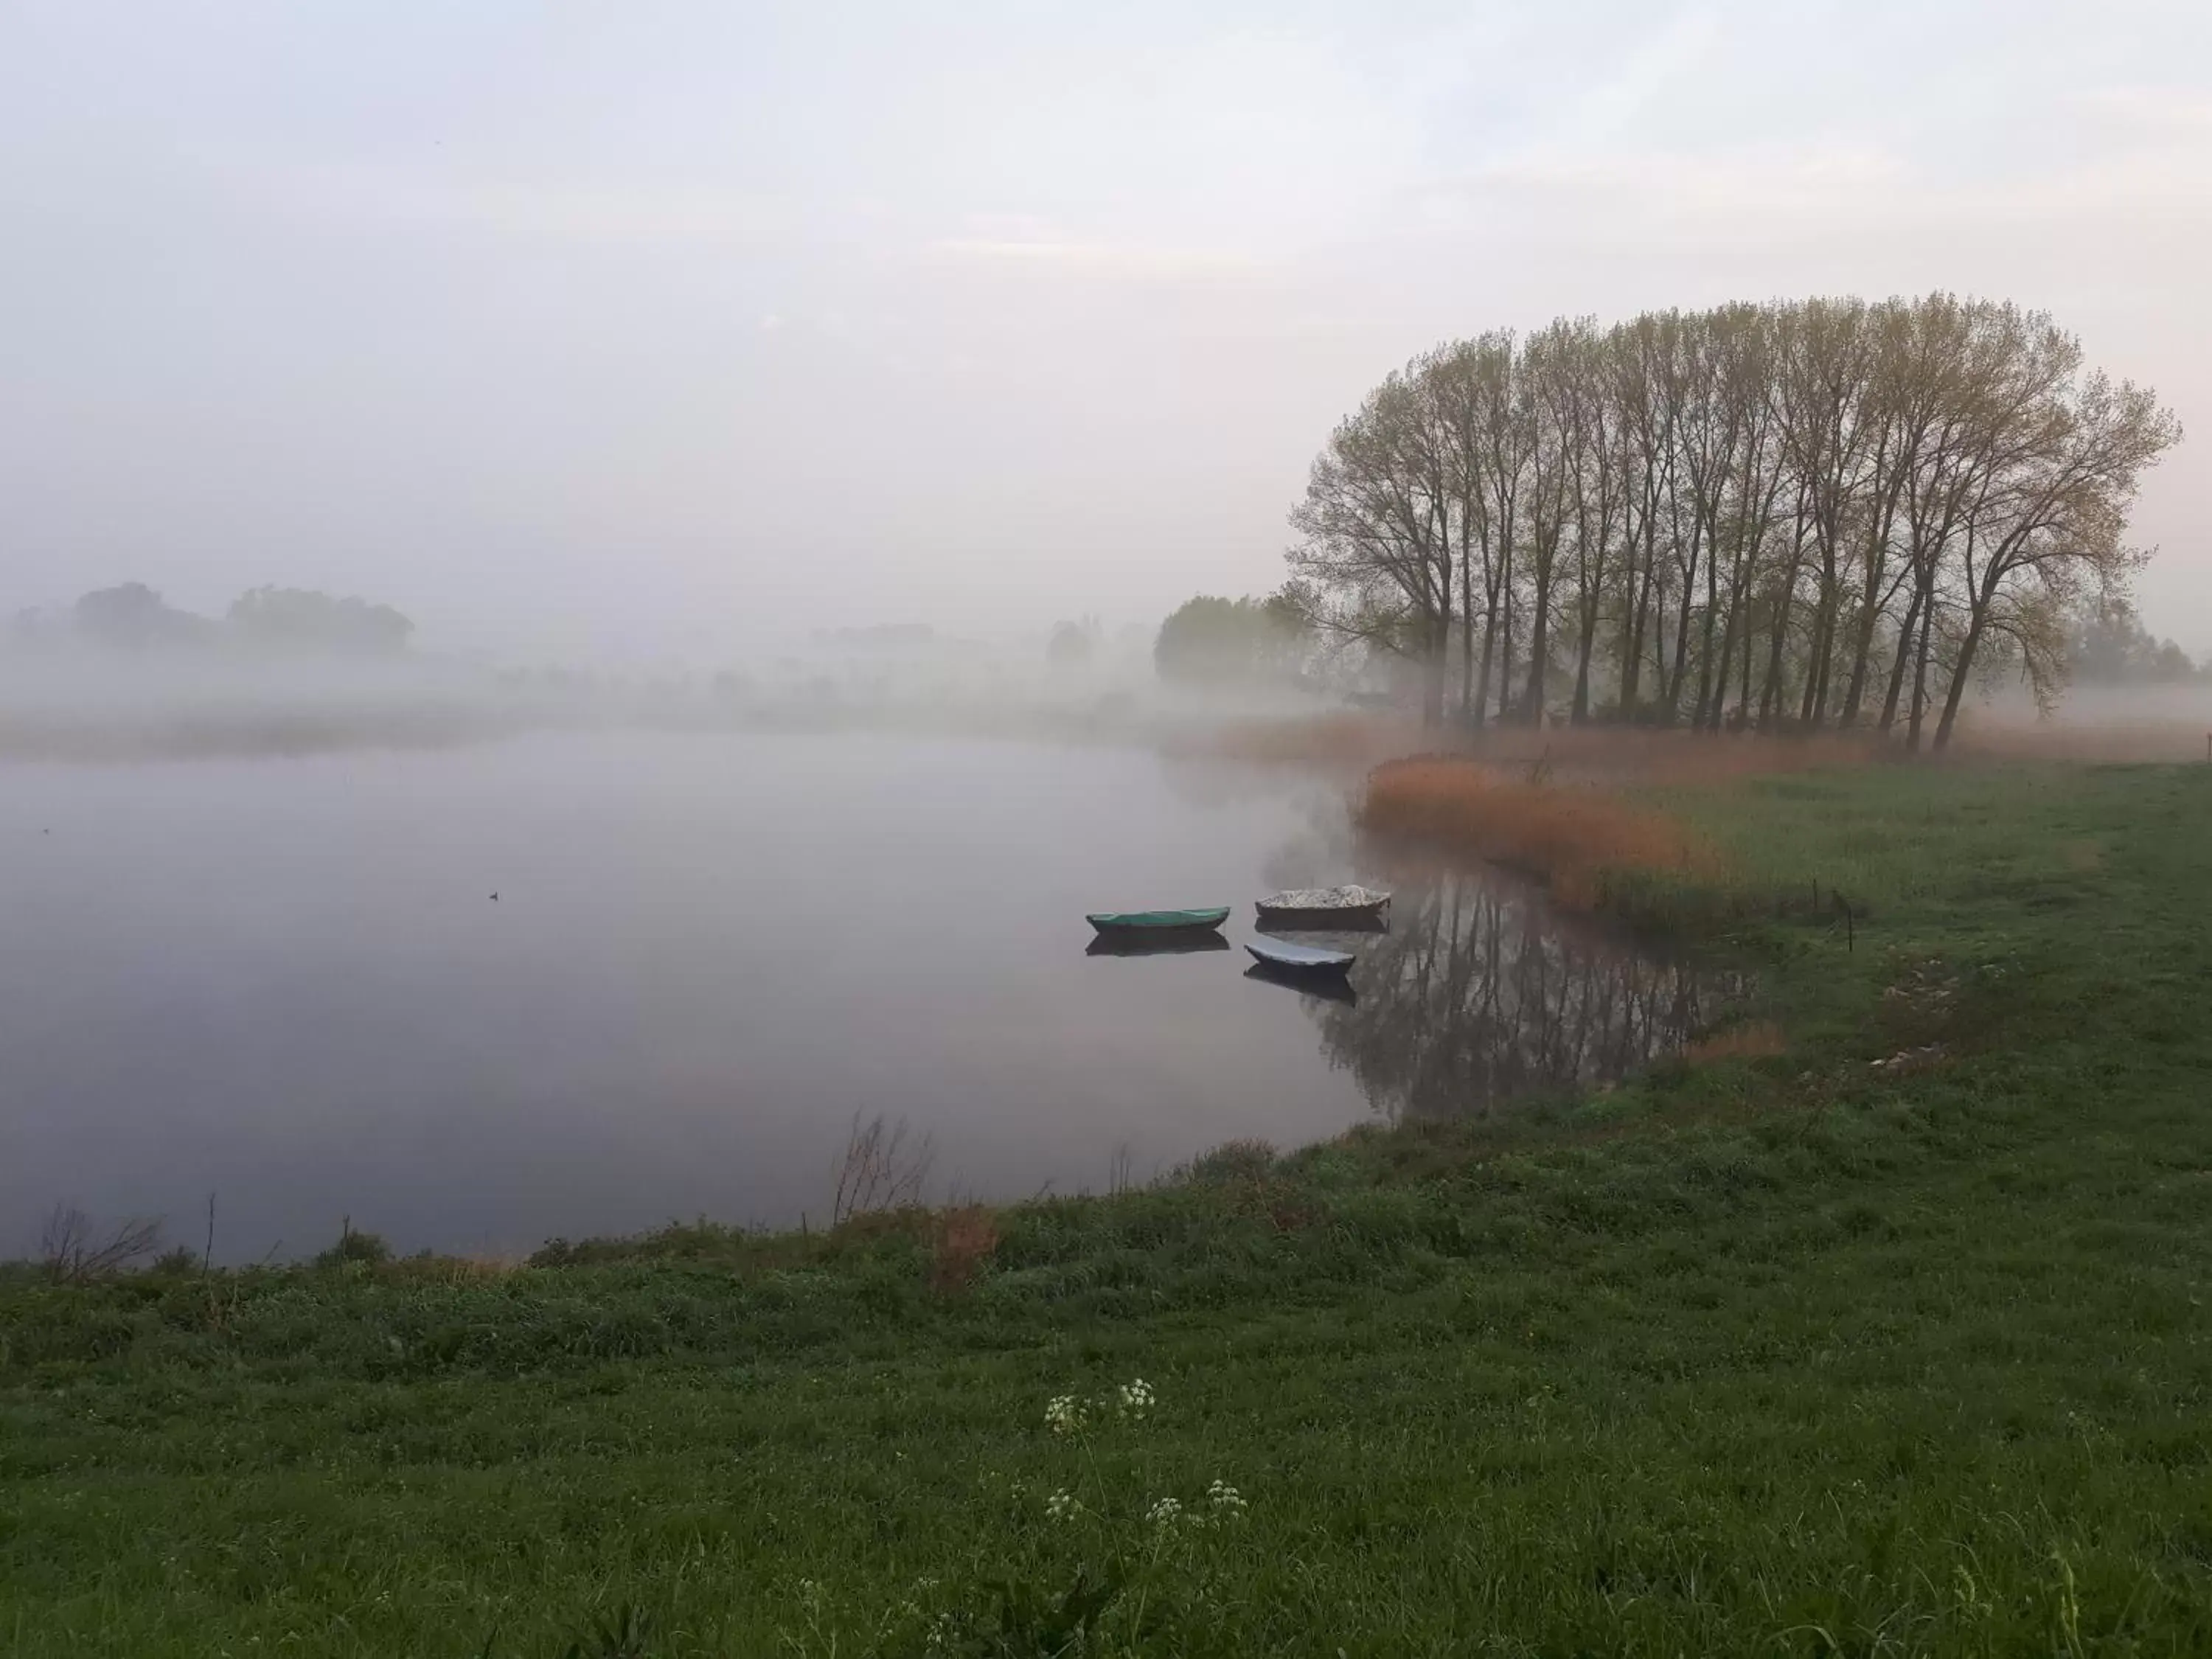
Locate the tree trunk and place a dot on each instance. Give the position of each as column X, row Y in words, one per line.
column 1540, row 648
column 1705, row 663
column 1436, row 650
column 1903, row 656
column 1505, row 649
column 1863, row 640
column 1959, row 675
column 1743, row 699
column 1469, row 713
column 1639, row 612
column 1489, row 643
column 1816, row 663
column 1673, row 709
column 1579, row 713
column 1920, row 674
column 1771, row 693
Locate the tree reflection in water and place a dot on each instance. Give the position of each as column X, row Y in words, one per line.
column 1481, row 994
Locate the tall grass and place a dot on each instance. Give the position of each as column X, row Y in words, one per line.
column 1640, row 755
column 1569, row 838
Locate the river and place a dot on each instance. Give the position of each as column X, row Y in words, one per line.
column 288, row 983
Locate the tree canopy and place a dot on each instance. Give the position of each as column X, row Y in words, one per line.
column 297, row 618
column 1219, row 642
column 131, row 616
column 1072, row 644
column 1821, row 512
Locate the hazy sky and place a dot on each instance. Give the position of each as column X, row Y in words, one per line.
column 618, row 326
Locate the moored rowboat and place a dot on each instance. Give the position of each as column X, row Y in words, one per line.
column 1300, row 958
column 1155, row 924
column 1324, row 907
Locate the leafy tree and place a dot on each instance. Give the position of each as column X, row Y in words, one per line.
column 1821, row 512
column 132, row 616
column 2108, row 645
column 296, row 618
column 1073, row 644
column 1217, row 642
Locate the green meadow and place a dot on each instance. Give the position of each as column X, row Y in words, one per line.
column 1878, row 1325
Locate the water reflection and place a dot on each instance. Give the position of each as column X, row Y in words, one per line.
column 1347, row 928
column 1175, row 943
column 1481, row 993
column 1325, row 988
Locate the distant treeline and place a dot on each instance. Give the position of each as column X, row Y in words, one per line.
column 2110, row 646
column 132, row 617
column 1822, row 513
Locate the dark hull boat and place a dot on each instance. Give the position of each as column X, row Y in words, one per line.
column 1155, row 923
column 1301, row 959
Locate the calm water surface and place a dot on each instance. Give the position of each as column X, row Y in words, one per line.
column 286, row 983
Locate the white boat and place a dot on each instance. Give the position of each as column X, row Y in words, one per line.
column 1324, row 907
column 1300, row 958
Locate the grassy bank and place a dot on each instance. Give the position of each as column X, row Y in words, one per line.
column 1893, row 1341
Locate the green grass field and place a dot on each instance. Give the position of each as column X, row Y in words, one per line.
column 1794, row 1354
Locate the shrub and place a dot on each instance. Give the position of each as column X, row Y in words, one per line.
column 354, row 1245
column 1233, row 1160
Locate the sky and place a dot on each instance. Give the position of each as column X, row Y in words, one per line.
column 580, row 329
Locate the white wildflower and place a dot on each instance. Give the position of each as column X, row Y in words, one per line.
column 1136, row 1397
column 1225, row 1501
column 1164, row 1513
column 1062, row 1505
column 1065, row 1415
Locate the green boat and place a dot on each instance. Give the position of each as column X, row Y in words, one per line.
column 1156, row 923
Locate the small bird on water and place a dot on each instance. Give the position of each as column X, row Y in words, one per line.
column 494, row 898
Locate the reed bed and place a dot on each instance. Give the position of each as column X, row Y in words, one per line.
column 1759, row 1039
column 1569, row 838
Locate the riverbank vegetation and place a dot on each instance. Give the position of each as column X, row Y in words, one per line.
column 1871, row 1324
column 1568, row 839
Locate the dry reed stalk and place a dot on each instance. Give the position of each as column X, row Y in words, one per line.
column 1565, row 838
column 1760, row 1040
column 74, row 1252
column 1619, row 754
column 961, row 1242
column 882, row 1168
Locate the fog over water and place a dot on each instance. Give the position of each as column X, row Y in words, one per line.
column 725, row 414
column 286, row 982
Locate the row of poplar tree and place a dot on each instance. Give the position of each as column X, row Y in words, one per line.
column 1828, row 513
